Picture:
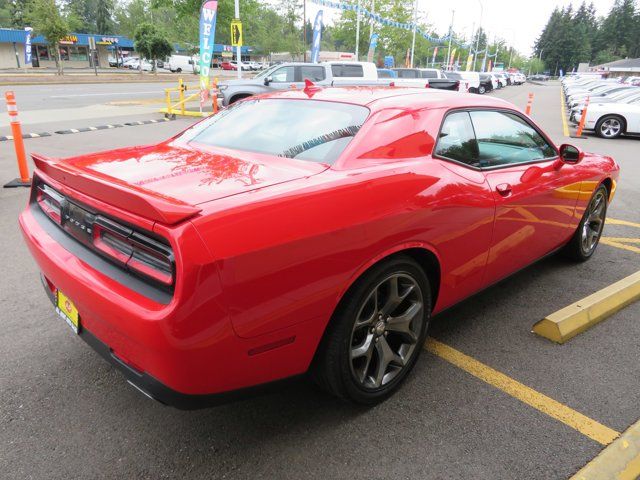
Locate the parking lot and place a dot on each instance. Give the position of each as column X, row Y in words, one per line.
column 488, row 399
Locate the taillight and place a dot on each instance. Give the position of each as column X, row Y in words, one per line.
column 139, row 253
column 50, row 202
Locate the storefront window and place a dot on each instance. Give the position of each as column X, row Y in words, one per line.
column 79, row 53
column 42, row 51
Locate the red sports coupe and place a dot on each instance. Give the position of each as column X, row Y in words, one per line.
column 307, row 231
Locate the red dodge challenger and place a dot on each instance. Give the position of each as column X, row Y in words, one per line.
column 307, row 231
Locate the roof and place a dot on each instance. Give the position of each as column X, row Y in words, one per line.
column 624, row 63
column 386, row 97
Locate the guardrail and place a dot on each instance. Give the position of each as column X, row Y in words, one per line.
column 179, row 108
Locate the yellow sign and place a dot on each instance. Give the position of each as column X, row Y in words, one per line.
column 236, row 33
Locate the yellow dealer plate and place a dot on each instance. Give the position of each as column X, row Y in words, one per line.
column 68, row 311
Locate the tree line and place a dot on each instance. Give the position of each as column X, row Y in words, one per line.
column 573, row 36
column 268, row 27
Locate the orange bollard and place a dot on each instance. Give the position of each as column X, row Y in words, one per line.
column 583, row 119
column 529, row 103
column 18, row 143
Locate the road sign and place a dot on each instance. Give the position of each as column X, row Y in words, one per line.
column 236, row 33
column 92, row 43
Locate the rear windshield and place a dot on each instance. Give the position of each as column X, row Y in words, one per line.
column 304, row 129
column 453, row 75
column 407, row 73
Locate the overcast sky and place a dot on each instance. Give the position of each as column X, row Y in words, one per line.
column 518, row 22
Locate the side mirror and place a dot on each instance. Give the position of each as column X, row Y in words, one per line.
column 570, row 154
column 267, row 81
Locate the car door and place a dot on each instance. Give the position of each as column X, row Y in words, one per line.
column 535, row 195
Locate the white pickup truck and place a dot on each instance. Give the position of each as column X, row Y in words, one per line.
column 285, row 76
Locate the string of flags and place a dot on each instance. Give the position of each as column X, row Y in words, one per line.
column 386, row 22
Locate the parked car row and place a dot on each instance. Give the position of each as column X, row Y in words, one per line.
column 614, row 104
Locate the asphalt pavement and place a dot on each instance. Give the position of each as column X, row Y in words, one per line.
column 65, row 413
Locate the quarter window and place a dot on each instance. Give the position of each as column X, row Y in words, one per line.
column 457, row 140
column 504, row 138
column 346, row 70
column 315, row 74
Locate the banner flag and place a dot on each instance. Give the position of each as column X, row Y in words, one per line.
column 27, row 46
column 489, row 67
column 208, row 15
column 435, row 52
column 373, row 43
column 453, row 55
column 317, row 37
column 469, row 61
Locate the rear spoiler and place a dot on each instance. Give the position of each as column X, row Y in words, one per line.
column 127, row 197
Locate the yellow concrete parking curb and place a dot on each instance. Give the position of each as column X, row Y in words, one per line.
column 578, row 317
column 619, row 461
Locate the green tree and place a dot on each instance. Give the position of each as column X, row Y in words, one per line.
column 46, row 20
column 152, row 43
column 104, row 16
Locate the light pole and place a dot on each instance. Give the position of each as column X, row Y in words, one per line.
column 415, row 21
column 453, row 12
column 304, row 28
column 478, row 40
column 357, row 32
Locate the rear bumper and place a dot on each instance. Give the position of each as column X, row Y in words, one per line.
column 156, row 390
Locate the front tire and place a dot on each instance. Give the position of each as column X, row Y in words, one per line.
column 585, row 240
column 376, row 334
column 482, row 90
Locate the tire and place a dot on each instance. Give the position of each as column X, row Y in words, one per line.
column 482, row 90
column 372, row 341
column 179, row 70
column 610, row 126
column 585, row 240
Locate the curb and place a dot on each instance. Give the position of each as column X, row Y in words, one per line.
column 568, row 322
column 619, row 461
column 87, row 129
column 26, row 135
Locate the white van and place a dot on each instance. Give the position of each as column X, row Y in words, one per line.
column 181, row 63
column 471, row 79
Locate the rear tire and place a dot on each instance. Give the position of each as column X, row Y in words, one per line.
column 482, row 90
column 376, row 334
column 585, row 240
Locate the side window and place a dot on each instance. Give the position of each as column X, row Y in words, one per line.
column 346, row 70
column 284, row 74
column 315, row 74
column 428, row 74
column 457, row 140
column 505, row 138
column 407, row 74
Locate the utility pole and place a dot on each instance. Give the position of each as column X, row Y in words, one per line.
column 453, row 12
column 357, row 32
column 478, row 40
column 304, row 28
column 239, row 48
column 415, row 21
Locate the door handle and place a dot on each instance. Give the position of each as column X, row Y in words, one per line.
column 504, row 189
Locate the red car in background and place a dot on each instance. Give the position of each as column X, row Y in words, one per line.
column 315, row 230
column 226, row 65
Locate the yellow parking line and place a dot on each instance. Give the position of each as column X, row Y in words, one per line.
column 615, row 221
column 563, row 115
column 583, row 424
column 618, row 244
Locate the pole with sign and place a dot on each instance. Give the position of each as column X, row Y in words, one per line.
column 239, row 45
column 93, row 52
